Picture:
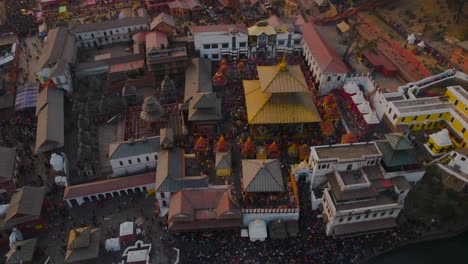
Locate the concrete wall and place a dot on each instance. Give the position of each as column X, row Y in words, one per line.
column 139, row 164
column 247, row 218
column 103, row 37
column 218, row 38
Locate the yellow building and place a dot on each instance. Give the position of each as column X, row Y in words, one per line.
column 291, row 8
column 450, row 110
column 439, row 143
column 280, row 96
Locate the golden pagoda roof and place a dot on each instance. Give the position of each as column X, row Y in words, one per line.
column 278, row 108
column 282, row 78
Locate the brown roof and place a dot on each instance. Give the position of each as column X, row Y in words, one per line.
column 7, row 163
column 199, row 73
column 97, row 187
column 203, row 204
column 162, row 18
column 220, row 28
column 262, row 175
column 341, row 195
column 83, row 244
column 60, row 44
column 46, row 96
column 401, row 183
column 50, row 127
column 21, row 252
column 25, row 205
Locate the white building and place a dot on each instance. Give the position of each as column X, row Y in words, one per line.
column 58, row 54
column 454, row 174
column 108, row 32
column 221, row 41
column 327, row 67
column 134, row 156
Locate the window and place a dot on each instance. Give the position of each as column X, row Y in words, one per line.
column 339, row 78
column 205, row 56
column 242, row 44
column 111, row 32
column 297, row 41
column 92, row 35
column 428, row 116
column 214, row 56
column 121, row 163
column 349, row 218
column 374, row 215
column 463, row 158
column 391, row 212
column 403, row 119
column 225, row 45
column 164, row 203
column 341, row 219
column 455, row 103
column 395, row 117
column 463, row 130
column 79, row 37
column 358, row 217
column 147, row 158
column 451, row 120
column 328, row 78
column 163, row 195
column 382, row 213
column 129, row 161
column 280, row 42
column 214, row 46
column 206, row 46
column 349, row 167
column 366, row 216
column 440, row 115
column 155, row 157
column 138, row 160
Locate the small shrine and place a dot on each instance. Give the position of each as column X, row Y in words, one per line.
column 222, row 145
column 293, row 152
column 273, row 151
column 201, row 145
column 329, row 101
column 151, row 110
column 304, row 152
column 303, row 169
column 332, row 114
column 348, row 138
column 241, row 66
column 168, row 91
column 248, row 148
column 327, row 128
column 219, row 79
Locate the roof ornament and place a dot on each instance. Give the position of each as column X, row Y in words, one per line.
column 284, row 63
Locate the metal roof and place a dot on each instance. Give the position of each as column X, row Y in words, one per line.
column 110, row 24
column 170, row 173
column 205, row 114
column 223, row 160
column 7, row 163
column 88, row 241
column 279, row 79
column 21, row 252
column 262, row 175
column 25, row 205
column 398, row 141
column 50, row 122
column 197, row 78
column 393, row 157
column 138, row 147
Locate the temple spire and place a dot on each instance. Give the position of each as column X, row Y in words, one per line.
column 284, row 63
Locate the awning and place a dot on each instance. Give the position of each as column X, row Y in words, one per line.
column 26, row 96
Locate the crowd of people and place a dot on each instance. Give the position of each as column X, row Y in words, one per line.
column 310, row 246
column 18, row 19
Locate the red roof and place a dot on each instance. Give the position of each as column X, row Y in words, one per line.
column 379, row 60
column 140, row 36
column 220, row 28
column 328, row 59
column 94, row 188
column 132, row 65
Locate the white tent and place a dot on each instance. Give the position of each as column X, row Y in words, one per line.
column 257, row 230
column 358, row 98
column 371, row 118
column 56, row 161
column 411, row 38
column 421, row 44
column 112, row 244
column 126, row 228
column 15, row 235
column 441, row 138
column 3, row 209
column 351, row 87
column 364, row 108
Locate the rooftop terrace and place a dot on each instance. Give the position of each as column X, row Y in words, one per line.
column 346, row 151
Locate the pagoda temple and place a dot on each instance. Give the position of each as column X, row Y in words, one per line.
column 248, row 148
column 151, row 111
column 279, row 96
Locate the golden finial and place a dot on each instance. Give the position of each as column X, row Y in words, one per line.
column 284, row 63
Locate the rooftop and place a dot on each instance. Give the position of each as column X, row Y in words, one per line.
column 262, row 175
column 110, row 24
column 25, row 206
column 347, row 151
column 83, row 244
column 229, row 28
column 7, row 163
column 197, row 78
column 133, row 148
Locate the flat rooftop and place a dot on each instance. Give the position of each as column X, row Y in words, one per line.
column 347, row 151
column 113, row 51
column 352, row 177
column 383, row 198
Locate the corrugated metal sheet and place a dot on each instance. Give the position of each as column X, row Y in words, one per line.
column 138, row 147
column 262, row 176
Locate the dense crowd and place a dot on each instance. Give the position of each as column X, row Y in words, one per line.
column 19, row 20
column 310, row 246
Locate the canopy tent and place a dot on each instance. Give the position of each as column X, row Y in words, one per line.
column 358, row 98
column 257, row 230
column 371, row 118
column 127, row 231
column 441, row 138
column 112, row 244
column 364, row 108
column 351, row 88
column 57, row 162
column 26, row 96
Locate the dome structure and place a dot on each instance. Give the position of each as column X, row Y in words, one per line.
column 151, row 110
